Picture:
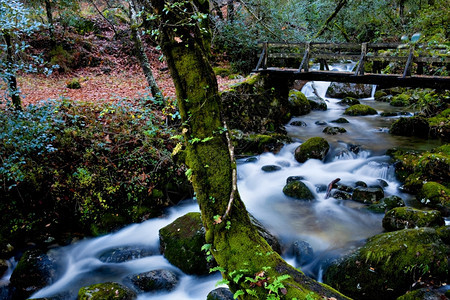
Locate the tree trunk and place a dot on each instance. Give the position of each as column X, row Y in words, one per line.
column 49, row 12
column 13, row 91
column 340, row 5
column 140, row 53
column 230, row 11
column 239, row 250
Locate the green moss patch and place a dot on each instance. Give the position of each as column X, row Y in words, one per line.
column 360, row 110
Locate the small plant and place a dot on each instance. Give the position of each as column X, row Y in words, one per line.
column 74, row 84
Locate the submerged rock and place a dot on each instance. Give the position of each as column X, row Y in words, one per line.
column 349, row 101
column 298, row 190
column 340, row 121
column 344, row 89
column 407, row 217
column 123, row 254
column 341, row 195
column 154, row 280
column 107, row 290
column 34, row 271
column 298, row 123
column 389, row 264
column 220, row 294
column 315, row 147
column 360, row 110
column 302, row 252
column 271, row 168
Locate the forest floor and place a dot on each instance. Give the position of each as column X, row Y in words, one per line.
column 124, row 81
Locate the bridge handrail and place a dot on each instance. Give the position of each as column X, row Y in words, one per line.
column 363, row 55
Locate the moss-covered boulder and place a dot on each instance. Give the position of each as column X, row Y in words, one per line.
column 379, row 95
column 181, row 242
column 333, row 130
column 344, row 89
column 156, row 280
column 340, row 121
column 440, row 125
column 106, row 291
column 34, row 271
column 386, row 204
column 315, row 147
column 360, row 110
column 400, row 100
column 349, row 101
column 444, row 234
column 369, row 195
column 253, row 144
column 414, row 168
column 299, row 103
column 298, row 190
column 388, row 265
column 317, row 103
column 413, row 126
column 434, row 195
column 407, row 217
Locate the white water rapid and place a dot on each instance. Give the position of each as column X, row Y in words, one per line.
column 330, row 226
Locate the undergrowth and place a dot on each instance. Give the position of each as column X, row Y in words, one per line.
column 84, row 166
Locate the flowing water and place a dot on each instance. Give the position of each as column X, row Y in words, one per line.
column 330, row 226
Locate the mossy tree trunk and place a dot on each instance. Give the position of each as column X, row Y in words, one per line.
column 239, row 250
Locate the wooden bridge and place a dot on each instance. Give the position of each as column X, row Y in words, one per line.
column 410, row 65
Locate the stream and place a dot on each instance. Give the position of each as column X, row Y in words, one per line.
column 331, row 227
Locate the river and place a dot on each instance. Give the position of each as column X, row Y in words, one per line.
column 330, row 226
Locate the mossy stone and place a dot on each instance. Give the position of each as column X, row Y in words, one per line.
column 317, row 103
column 345, row 89
column 181, row 242
column 400, row 100
column 360, row 110
column 333, row 130
column 387, row 204
column 424, row 294
column 389, row 264
column 106, row 291
column 407, row 217
column 349, row 101
column 315, row 147
column 435, row 195
column 298, row 190
column 340, row 121
column 413, row 126
column 299, row 103
column 379, row 94
column 368, row 195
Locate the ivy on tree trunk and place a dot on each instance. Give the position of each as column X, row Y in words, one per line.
column 245, row 259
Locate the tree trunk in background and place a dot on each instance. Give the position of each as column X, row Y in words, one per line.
column 49, row 12
column 340, row 5
column 236, row 245
column 12, row 80
column 230, row 11
column 140, row 53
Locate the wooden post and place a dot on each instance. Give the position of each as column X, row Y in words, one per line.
column 407, row 71
column 360, row 68
column 305, row 61
column 266, row 54
column 262, row 58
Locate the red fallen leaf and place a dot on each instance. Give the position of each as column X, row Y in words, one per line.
column 283, row 291
column 218, row 221
column 107, row 139
column 178, row 39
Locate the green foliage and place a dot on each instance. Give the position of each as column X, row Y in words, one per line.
column 84, row 164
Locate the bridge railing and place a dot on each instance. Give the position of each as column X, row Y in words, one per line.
column 378, row 55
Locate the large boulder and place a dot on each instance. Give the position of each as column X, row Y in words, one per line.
column 349, row 101
column 34, row 271
column 298, row 190
column 317, row 103
column 344, row 89
column 389, row 264
column 105, row 291
column 360, row 110
column 299, row 103
column 156, row 280
column 369, row 195
column 413, row 126
column 408, row 217
column 181, row 242
column 315, row 147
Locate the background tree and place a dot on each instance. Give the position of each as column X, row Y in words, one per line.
column 15, row 24
column 248, row 264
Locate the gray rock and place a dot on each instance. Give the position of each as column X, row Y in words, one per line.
column 298, row 190
column 368, row 195
column 155, row 280
column 220, row 294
